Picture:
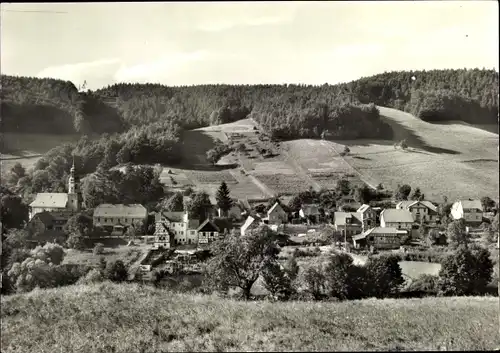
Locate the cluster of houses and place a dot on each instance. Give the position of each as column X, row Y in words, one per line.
column 368, row 226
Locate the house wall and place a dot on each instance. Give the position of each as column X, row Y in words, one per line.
column 384, row 241
column 473, row 216
column 351, row 229
column 112, row 221
column 397, row 225
column 34, row 210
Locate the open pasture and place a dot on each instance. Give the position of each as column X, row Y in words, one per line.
column 437, row 178
column 283, row 183
column 177, row 177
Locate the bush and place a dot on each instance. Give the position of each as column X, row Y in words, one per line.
column 277, row 281
column 98, row 249
column 116, row 271
column 425, row 283
column 93, row 276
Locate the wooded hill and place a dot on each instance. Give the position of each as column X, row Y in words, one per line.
column 284, row 111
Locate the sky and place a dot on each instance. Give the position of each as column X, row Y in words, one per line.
column 187, row 43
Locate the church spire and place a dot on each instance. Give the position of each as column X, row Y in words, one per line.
column 71, row 180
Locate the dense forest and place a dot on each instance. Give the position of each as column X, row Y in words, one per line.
column 36, row 105
column 143, row 123
column 435, row 95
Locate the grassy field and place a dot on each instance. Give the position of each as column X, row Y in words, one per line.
column 129, row 318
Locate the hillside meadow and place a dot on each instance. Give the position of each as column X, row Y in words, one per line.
column 129, row 318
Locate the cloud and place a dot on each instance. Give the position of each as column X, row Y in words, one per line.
column 158, row 69
column 94, row 72
column 246, row 15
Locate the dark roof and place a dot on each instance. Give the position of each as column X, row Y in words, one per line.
column 120, row 211
column 340, row 218
column 171, row 216
column 208, row 226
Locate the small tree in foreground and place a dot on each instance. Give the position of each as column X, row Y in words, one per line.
column 465, row 272
column 456, row 234
column 385, row 275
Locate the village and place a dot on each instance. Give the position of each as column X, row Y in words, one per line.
column 172, row 241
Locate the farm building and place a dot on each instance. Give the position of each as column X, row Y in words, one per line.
column 379, row 238
column 421, row 210
column 119, row 216
column 470, row 210
column 57, row 201
column 396, row 218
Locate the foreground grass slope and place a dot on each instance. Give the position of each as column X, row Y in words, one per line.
column 127, row 318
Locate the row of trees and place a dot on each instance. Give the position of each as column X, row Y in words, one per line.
column 238, row 261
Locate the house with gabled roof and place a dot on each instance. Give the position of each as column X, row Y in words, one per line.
column 424, row 211
column 276, row 215
column 396, row 218
column 348, row 223
column 379, row 238
column 470, row 210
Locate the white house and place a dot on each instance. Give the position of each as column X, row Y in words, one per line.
column 276, row 215
column 57, row 201
column 470, row 210
column 119, row 216
column 420, row 210
column 396, row 218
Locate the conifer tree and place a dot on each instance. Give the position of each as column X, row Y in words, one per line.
column 224, row 201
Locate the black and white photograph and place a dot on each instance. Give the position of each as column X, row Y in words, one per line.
column 241, row 176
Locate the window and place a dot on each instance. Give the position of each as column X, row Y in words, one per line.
column 371, row 238
column 191, row 232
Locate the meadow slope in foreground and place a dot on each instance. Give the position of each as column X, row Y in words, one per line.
column 127, row 318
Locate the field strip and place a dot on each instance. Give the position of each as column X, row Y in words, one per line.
column 265, row 189
column 361, row 175
column 301, row 171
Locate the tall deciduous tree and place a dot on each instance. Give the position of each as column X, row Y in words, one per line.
column 224, row 201
column 457, row 234
column 238, row 261
column 402, row 192
column 199, row 206
column 174, row 203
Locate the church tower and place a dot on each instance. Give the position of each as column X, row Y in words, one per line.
column 73, row 202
